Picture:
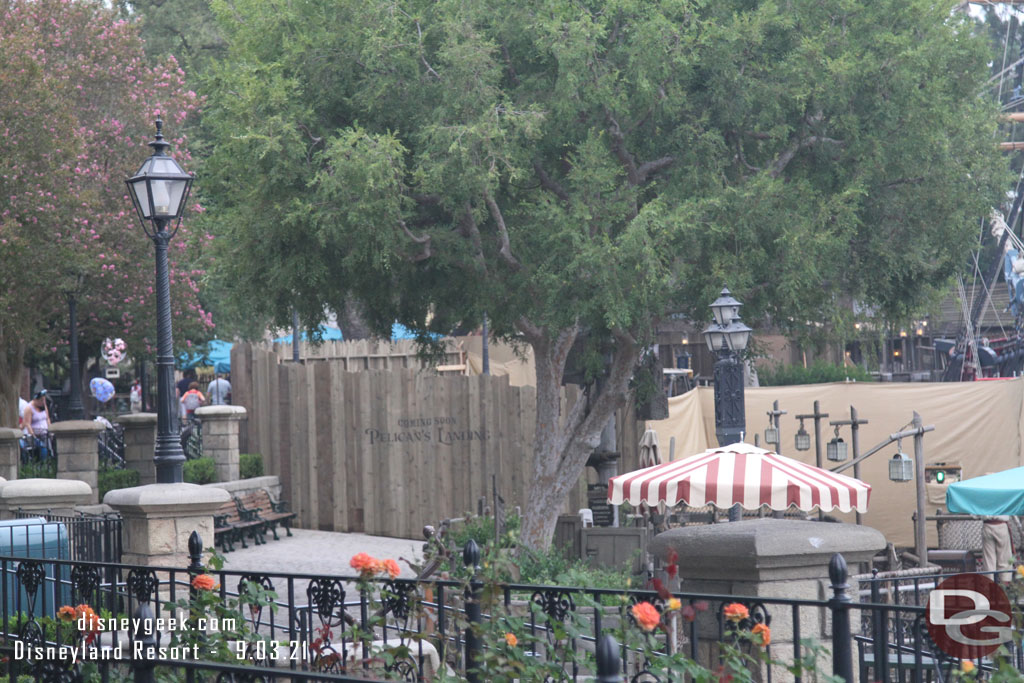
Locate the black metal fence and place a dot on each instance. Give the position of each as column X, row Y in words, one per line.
column 80, row 538
column 430, row 625
column 110, row 443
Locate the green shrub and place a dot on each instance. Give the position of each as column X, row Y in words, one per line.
column 117, row 479
column 818, row 372
column 481, row 530
column 250, row 465
column 200, row 471
column 38, row 470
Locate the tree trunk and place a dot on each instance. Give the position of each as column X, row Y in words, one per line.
column 562, row 444
column 351, row 322
column 12, row 359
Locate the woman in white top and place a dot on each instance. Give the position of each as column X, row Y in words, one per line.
column 36, row 422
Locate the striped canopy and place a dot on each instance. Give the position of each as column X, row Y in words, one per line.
column 744, row 474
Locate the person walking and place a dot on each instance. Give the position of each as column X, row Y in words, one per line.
column 192, row 399
column 997, row 547
column 219, row 391
column 36, row 422
column 135, row 397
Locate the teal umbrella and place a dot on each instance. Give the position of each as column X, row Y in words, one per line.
column 1001, row 493
column 218, row 354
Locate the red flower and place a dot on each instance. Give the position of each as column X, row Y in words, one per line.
column 646, row 615
column 66, row 613
column 204, row 582
column 735, row 612
column 365, row 564
column 764, row 632
column 689, row 614
column 701, row 606
column 673, row 564
column 663, row 592
column 392, row 568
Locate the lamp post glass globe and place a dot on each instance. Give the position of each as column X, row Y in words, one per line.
column 159, row 191
column 725, row 308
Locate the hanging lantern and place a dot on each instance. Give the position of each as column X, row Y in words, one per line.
column 771, row 432
column 803, row 439
column 835, row 450
column 901, row 468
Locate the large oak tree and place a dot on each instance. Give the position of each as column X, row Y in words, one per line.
column 580, row 169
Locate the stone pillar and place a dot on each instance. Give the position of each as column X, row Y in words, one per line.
column 140, row 444
column 159, row 518
column 10, row 453
column 78, row 452
column 767, row 558
column 59, row 496
column 220, row 437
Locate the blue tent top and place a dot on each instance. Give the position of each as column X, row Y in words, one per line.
column 398, row 331
column 327, row 333
column 1001, row 493
column 218, row 354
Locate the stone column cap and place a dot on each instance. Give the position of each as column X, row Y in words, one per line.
column 760, row 548
column 177, row 498
column 76, row 427
column 223, row 412
column 136, row 419
column 9, row 434
column 44, row 490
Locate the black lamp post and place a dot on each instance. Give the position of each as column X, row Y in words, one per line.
column 727, row 338
column 76, row 411
column 159, row 190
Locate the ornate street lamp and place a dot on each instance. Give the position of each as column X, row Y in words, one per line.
column 727, row 338
column 159, row 190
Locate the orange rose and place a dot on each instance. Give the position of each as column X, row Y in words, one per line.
column 646, row 615
column 736, row 612
column 967, row 666
column 391, row 568
column 511, row 639
column 364, row 564
column 764, row 632
column 203, row 582
column 66, row 613
column 85, row 616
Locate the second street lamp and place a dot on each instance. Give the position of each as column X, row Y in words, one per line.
column 727, row 338
column 159, row 190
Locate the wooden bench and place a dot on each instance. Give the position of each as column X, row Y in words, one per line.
column 259, row 504
column 230, row 524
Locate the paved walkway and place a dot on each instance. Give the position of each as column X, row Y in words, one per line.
column 325, row 553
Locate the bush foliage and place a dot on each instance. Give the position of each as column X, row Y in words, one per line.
column 818, row 372
column 250, row 465
column 110, row 480
column 200, row 471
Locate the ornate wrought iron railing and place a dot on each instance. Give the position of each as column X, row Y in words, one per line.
column 433, row 620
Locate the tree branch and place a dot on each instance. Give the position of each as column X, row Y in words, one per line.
column 506, row 249
column 549, row 183
column 469, row 230
column 779, row 165
column 637, row 175
column 423, row 240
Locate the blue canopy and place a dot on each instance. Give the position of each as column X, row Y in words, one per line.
column 1001, row 493
column 327, row 333
column 218, row 354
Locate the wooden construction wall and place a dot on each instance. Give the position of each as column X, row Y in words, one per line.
column 365, row 354
column 387, row 451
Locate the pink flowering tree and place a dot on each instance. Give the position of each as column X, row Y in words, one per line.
column 77, row 103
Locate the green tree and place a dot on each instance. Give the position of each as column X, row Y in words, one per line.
column 581, row 169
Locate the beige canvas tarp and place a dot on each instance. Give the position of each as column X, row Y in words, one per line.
column 977, row 425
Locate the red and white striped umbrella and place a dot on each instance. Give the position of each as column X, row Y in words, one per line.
column 744, row 474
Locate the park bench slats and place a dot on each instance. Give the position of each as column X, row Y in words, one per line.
column 231, row 524
column 260, row 506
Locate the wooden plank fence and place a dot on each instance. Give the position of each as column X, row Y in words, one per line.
column 388, row 451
